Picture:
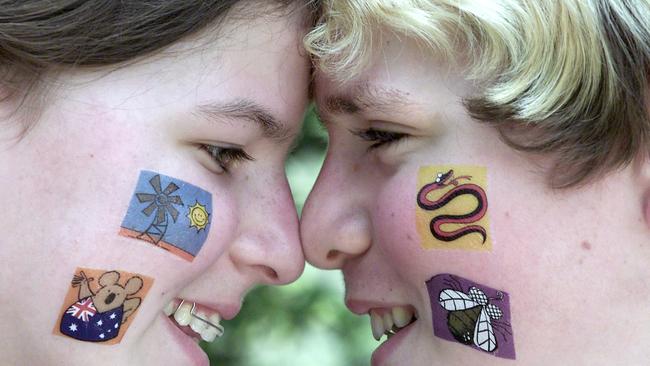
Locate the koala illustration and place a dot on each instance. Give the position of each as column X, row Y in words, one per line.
column 97, row 317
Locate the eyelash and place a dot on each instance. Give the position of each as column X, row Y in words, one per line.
column 226, row 157
column 379, row 138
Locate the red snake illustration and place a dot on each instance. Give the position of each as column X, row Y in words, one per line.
column 444, row 180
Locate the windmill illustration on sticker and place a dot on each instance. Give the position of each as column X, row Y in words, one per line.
column 169, row 213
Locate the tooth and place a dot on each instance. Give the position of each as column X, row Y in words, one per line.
column 209, row 334
column 182, row 315
column 402, row 316
column 197, row 324
column 377, row 325
column 169, row 309
column 388, row 321
column 216, row 320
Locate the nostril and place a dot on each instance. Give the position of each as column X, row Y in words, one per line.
column 333, row 255
column 268, row 273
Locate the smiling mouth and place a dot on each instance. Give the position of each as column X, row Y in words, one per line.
column 195, row 320
column 390, row 321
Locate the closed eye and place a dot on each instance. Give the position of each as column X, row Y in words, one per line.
column 379, row 138
column 226, row 157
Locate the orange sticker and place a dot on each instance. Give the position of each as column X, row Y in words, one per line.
column 104, row 311
column 452, row 210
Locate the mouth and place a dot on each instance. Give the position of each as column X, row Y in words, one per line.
column 390, row 321
column 394, row 322
column 197, row 321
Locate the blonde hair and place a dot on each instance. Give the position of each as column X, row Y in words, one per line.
column 562, row 76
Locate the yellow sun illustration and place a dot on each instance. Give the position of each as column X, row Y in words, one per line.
column 198, row 216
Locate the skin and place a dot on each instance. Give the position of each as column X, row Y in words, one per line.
column 67, row 184
column 574, row 261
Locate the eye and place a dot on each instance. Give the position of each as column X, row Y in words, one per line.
column 379, row 138
column 226, row 157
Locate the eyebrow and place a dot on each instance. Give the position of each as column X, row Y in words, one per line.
column 366, row 97
column 248, row 110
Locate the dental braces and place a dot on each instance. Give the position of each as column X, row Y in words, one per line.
column 218, row 327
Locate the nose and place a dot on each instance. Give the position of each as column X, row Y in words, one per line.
column 335, row 226
column 268, row 245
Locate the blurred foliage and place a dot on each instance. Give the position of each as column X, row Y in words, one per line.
column 304, row 323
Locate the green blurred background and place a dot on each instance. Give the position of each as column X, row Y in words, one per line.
column 304, row 323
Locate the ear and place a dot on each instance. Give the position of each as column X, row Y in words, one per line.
column 109, row 278
column 133, row 285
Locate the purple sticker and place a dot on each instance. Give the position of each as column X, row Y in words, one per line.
column 472, row 314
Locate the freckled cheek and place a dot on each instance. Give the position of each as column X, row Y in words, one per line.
column 395, row 231
column 224, row 226
column 394, row 226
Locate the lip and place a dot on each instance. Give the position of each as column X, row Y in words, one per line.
column 189, row 346
column 227, row 311
column 363, row 307
column 386, row 349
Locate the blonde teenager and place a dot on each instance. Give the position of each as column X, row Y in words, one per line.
column 486, row 191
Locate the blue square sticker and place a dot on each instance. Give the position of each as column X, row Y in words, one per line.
column 169, row 213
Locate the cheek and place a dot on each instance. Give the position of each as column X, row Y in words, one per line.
column 399, row 227
column 82, row 192
column 394, row 226
column 223, row 223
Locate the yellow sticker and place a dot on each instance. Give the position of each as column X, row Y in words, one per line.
column 101, row 313
column 452, row 210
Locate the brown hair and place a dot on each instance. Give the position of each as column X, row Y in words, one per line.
column 37, row 36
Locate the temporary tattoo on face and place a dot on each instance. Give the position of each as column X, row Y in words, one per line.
column 472, row 314
column 452, row 208
column 169, row 213
column 104, row 314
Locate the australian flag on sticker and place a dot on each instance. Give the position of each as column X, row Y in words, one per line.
column 82, row 321
column 169, row 213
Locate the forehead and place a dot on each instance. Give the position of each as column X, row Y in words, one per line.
column 255, row 58
column 399, row 72
column 247, row 57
